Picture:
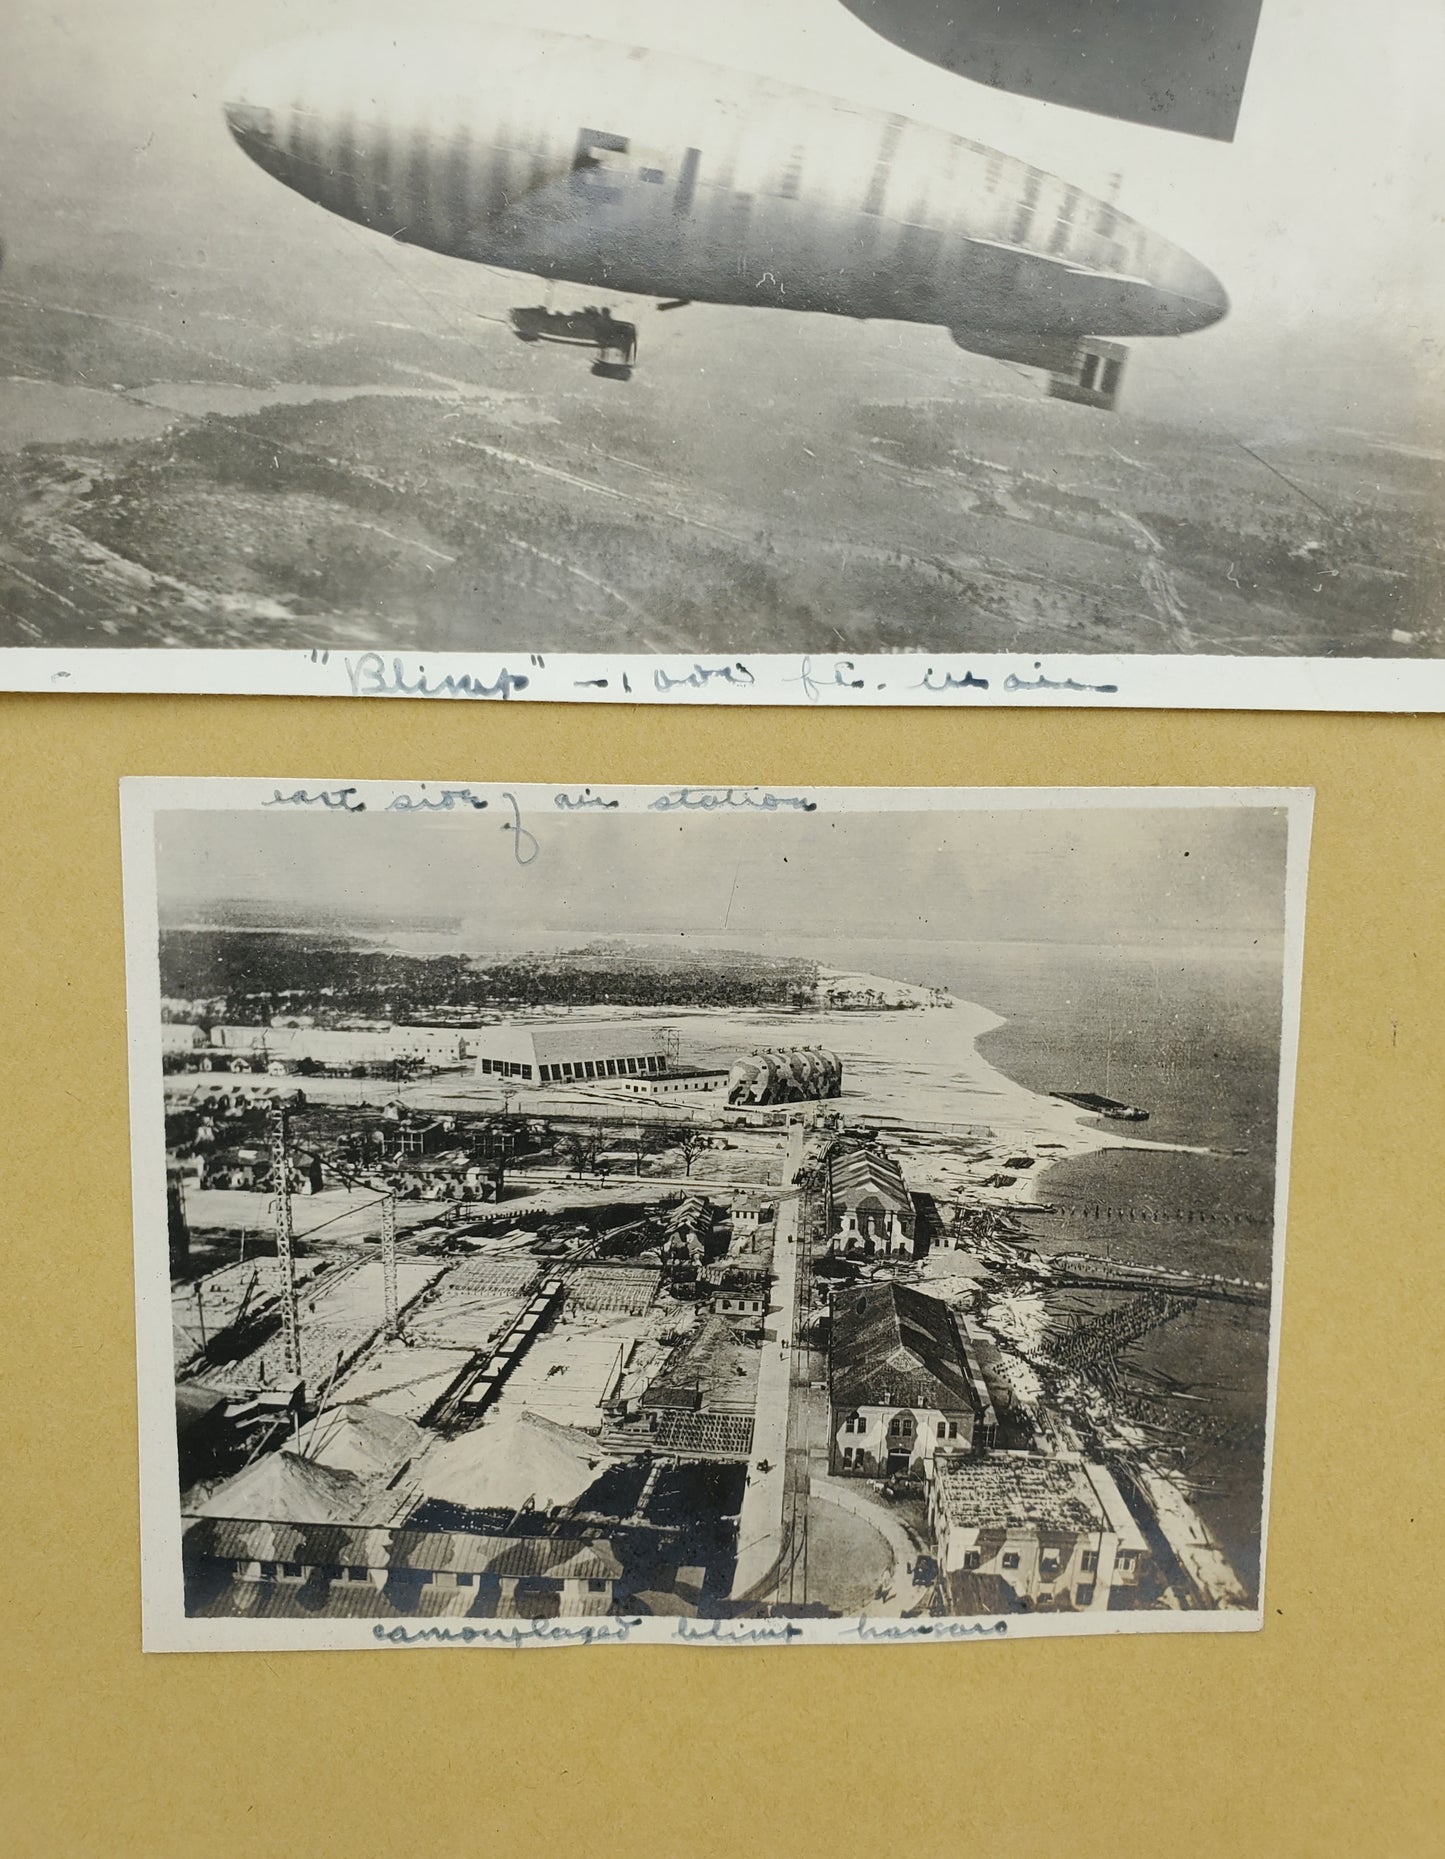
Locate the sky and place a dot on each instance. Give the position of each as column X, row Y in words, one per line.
column 1325, row 209
column 1124, row 875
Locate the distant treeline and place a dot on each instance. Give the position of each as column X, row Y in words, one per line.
column 258, row 976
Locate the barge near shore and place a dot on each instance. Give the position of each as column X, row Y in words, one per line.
column 1103, row 1106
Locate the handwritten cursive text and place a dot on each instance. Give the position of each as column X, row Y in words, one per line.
column 720, row 800
column 371, row 676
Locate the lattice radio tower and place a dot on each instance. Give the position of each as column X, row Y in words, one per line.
column 285, row 1250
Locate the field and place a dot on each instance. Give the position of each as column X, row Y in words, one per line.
column 210, row 439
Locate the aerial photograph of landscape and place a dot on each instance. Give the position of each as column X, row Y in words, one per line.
column 718, row 331
column 709, row 1214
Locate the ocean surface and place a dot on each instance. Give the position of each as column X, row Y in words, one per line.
column 1192, row 1036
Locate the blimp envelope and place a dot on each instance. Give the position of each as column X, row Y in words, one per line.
column 1148, row 61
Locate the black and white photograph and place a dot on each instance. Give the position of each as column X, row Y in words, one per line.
column 706, row 1215
column 1092, row 348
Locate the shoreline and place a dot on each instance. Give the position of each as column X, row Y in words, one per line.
column 914, row 1072
column 918, row 1072
column 1206, row 1560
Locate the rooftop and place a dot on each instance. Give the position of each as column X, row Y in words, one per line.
column 694, row 1211
column 894, row 1347
column 195, row 1405
column 712, row 1369
column 1023, row 1490
column 319, row 1545
column 856, row 1171
column 556, row 1042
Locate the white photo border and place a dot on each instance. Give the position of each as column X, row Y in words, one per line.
column 947, row 679
column 166, row 1626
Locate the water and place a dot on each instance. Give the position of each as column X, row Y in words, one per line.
column 49, row 413
column 1192, row 1036
column 1194, row 1040
column 60, row 413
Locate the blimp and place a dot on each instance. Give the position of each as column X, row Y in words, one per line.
column 620, row 169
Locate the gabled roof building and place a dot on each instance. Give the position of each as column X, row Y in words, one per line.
column 869, row 1207
column 904, row 1383
column 405, row 1571
column 711, row 1372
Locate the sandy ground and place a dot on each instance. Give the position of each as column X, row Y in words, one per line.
column 1191, row 1541
column 860, row 1554
column 463, row 1319
column 849, row 1561
column 341, row 1311
column 401, row 1380
column 919, row 1071
column 916, row 1071
column 359, row 1296
column 339, row 1216
column 916, row 1074
column 205, row 1305
column 951, row 1275
column 566, row 1372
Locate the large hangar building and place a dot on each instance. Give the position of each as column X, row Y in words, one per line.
column 571, row 1051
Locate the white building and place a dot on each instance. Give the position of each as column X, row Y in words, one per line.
column 571, row 1051
column 1018, row 1530
column 870, row 1209
column 427, row 1045
column 903, row 1384
column 675, row 1084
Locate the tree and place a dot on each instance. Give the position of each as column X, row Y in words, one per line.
column 580, row 1149
column 690, row 1144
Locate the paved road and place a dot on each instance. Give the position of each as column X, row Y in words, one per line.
column 761, row 1528
column 899, row 1591
column 791, row 1424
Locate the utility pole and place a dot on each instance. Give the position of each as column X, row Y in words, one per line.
column 388, row 1263
column 285, row 1254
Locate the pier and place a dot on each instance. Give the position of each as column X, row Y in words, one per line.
column 1080, row 1271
